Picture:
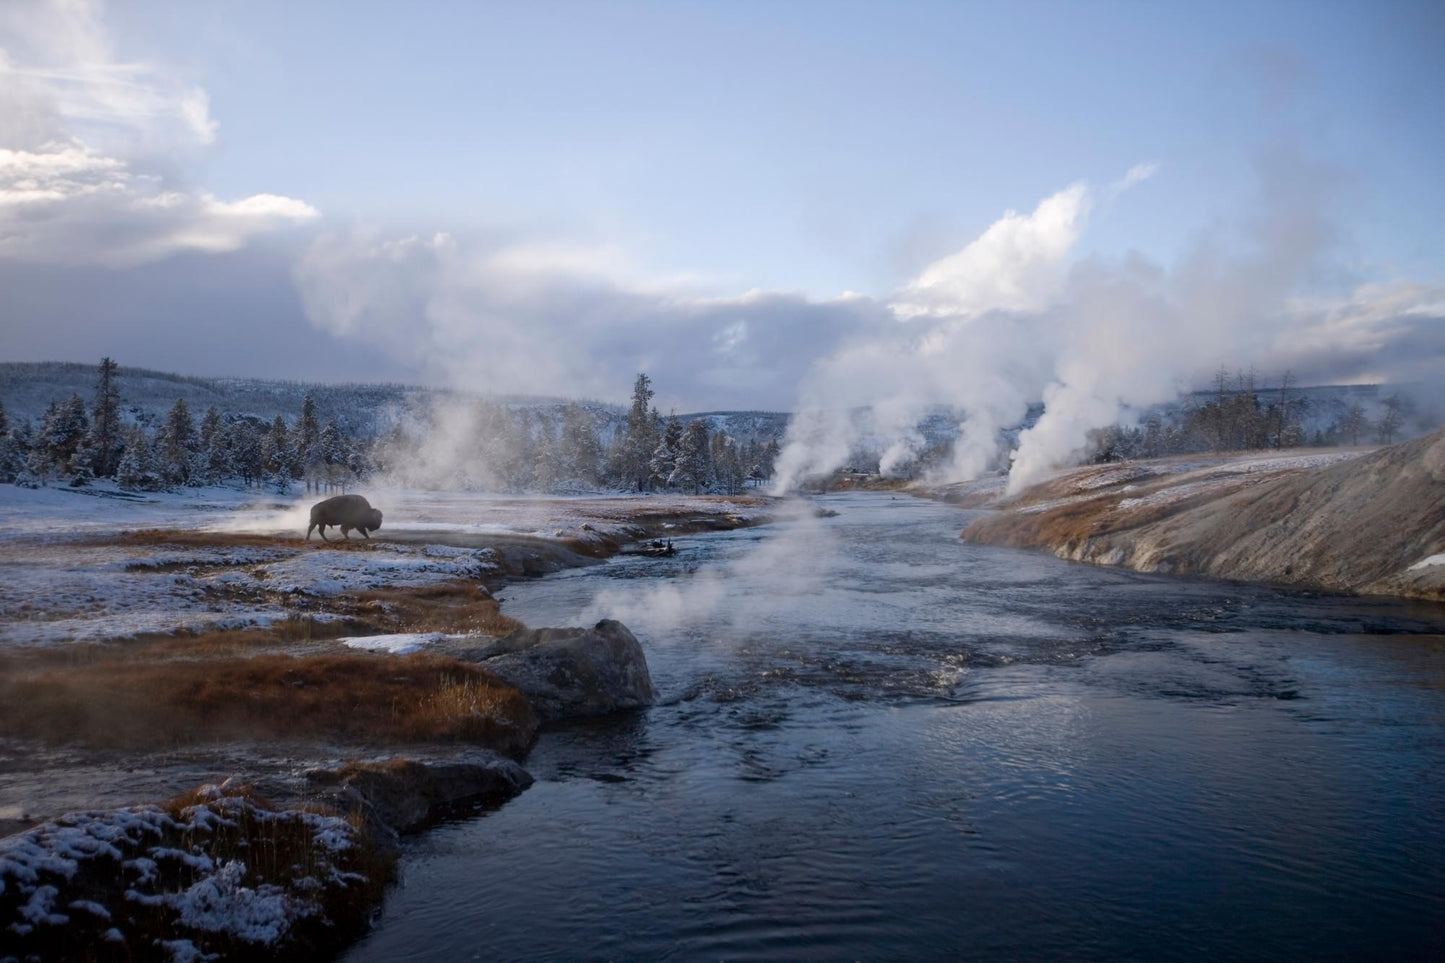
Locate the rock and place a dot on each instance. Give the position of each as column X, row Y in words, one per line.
column 406, row 794
column 567, row 673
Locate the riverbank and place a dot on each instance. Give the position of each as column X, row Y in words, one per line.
column 153, row 645
column 1360, row 521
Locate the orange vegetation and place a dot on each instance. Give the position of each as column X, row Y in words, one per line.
column 359, row 699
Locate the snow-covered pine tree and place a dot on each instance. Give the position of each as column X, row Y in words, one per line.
column 641, row 439
column 215, row 456
column 581, row 451
column 691, row 466
column 277, row 457
column 136, row 470
column 243, row 450
column 10, row 465
column 664, row 456
column 307, row 446
column 331, row 451
column 546, row 464
column 62, row 434
column 177, row 446
column 21, row 442
column 106, row 440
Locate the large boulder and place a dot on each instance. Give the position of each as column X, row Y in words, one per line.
column 567, row 673
column 407, row 794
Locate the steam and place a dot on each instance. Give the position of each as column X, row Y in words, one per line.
column 795, row 564
column 1008, row 321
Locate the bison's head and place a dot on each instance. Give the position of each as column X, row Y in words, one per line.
column 373, row 519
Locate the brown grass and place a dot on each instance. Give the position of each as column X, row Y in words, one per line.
column 186, row 538
column 453, row 607
column 358, row 699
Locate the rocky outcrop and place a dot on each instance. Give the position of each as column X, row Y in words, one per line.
column 406, row 794
column 568, row 673
column 1373, row 524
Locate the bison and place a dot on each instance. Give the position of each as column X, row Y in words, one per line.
column 347, row 511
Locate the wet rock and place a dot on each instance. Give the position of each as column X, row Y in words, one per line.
column 568, row 673
column 405, row 794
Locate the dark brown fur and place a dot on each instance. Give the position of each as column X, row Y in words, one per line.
column 346, row 511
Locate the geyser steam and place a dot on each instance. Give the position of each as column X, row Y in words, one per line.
column 1008, row 321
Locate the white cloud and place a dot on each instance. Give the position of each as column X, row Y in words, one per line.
column 80, row 134
column 65, row 204
column 1015, row 265
column 1137, row 174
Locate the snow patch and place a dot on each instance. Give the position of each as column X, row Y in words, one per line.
column 399, row 644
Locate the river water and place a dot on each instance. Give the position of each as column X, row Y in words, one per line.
column 876, row 741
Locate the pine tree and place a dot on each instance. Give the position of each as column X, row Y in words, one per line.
column 310, row 457
column 213, row 458
column 276, row 455
column 21, row 442
column 691, row 465
column 545, row 468
column 106, row 439
column 1392, row 420
column 664, row 456
column 1354, row 423
column 177, row 443
column 581, row 451
column 640, row 441
column 58, row 447
column 331, row 448
column 10, row 465
column 243, row 449
column 136, row 470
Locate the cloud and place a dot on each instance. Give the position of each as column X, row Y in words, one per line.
column 83, row 140
column 528, row 316
column 66, row 204
column 1137, row 174
column 1014, row 266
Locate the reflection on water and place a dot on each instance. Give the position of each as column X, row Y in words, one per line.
column 877, row 741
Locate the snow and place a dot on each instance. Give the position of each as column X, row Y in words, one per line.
column 1425, row 563
column 214, row 895
column 64, row 579
column 399, row 644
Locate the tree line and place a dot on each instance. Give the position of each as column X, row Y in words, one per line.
column 1237, row 417
column 494, row 446
column 77, row 442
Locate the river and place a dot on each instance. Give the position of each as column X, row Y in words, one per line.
column 876, row 741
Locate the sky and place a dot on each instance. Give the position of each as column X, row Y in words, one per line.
column 758, row 203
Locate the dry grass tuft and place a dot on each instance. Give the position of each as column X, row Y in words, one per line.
column 359, row 699
column 456, row 608
column 186, row 538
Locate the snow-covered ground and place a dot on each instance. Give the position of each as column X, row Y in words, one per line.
column 104, row 508
column 68, row 573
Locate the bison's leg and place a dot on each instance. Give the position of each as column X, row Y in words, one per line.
column 346, row 532
column 364, row 534
column 322, row 530
column 309, row 529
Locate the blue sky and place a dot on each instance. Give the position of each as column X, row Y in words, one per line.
column 821, row 146
column 708, row 150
